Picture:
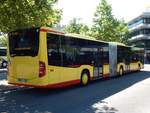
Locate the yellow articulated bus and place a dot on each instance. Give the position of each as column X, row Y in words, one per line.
column 45, row 58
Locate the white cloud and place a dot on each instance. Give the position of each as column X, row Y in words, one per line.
column 84, row 9
column 128, row 9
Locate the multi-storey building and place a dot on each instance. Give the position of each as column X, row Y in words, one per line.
column 139, row 35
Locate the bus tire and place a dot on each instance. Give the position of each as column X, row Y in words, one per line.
column 85, row 78
column 121, row 71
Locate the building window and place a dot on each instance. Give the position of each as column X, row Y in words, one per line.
column 146, row 20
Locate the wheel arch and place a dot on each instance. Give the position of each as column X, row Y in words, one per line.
column 120, row 65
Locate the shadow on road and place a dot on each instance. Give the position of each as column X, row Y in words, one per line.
column 75, row 99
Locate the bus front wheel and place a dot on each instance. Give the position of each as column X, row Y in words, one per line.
column 84, row 78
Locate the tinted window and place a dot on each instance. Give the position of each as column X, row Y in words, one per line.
column 105, row 54
column 91, row 52
column 85, row 52
column 24, row 42
column 53, row 49
column 123, row 54
column 68, row 50
column 137, row 55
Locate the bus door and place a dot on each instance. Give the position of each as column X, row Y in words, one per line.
column 98, row 63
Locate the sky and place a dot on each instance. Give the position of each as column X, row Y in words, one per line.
column 84, row 9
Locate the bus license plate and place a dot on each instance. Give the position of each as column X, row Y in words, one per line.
column 22, row 80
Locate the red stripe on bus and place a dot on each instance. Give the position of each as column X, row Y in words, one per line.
column 106, row 75
column 76, row 66
column 58, row 85
column 52, row 31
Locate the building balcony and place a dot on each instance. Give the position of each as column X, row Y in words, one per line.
column 139, row 37
column 139, row 26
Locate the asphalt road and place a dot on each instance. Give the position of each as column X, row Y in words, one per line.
column 126, row 94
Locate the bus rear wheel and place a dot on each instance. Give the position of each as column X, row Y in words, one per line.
column 84, row 78
column 121, row 71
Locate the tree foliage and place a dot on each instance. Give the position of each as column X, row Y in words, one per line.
column 3, row 41
column 18, row 14
column 75, row 26
column 106, row 27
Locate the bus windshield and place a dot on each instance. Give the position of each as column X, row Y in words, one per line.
column 24, row 42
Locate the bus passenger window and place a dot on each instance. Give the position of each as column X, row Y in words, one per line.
column 54, row 56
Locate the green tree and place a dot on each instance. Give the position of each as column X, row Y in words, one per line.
column 122, row 32
column 84, row 29
column 106, row 27
column 3, row 40
column 126, row 37
column 18, row 14
column 75, row 26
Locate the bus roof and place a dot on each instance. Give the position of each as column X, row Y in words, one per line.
column 83, row 37
column 118, row 43
column 79, row 36
column 73, row 35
